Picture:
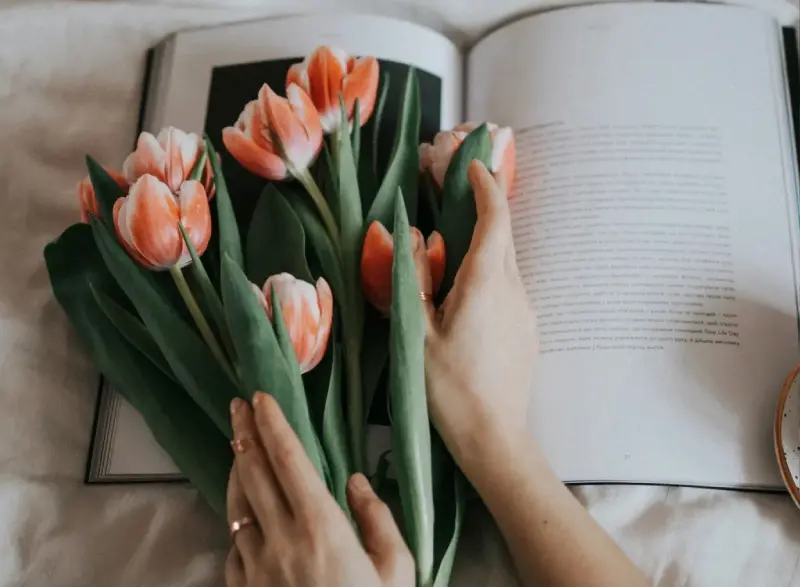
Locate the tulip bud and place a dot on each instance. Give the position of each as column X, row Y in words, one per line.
column 329, row 72
column 307, row 311
column 146, row 221
column 170, row 157
column 436, row 157
column 293, row 120
column 377, row 257
column 87, row 199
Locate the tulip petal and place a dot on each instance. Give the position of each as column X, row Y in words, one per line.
column 181, row 151
column 196, row 218
column 124, row 235
column 325, row 299
column 151, row 220
column 325, row 74
column 304, row 109
column 362, row 84
column 148, row 158
column 298, row 74
column 87, row 200
column 295, row 122
column 436, row 259
column 301, row 312
column 261, row 299
column 376, row 266
column 252, row 157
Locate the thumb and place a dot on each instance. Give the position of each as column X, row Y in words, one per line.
column 381, row 537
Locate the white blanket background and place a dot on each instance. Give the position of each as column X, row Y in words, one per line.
column 70, row 81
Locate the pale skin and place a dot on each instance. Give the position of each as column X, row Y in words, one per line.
column 478, row 357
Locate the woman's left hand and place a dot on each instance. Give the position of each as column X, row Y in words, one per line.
column 294, row 533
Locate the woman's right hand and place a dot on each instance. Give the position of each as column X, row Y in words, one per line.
column 481, row 344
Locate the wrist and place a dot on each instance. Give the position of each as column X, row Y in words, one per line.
column 494, row 451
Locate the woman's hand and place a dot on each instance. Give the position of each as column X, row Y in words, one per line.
column 482, row 343
column 299, row 536
column 479, row 355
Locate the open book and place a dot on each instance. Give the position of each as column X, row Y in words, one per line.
column 655, row 217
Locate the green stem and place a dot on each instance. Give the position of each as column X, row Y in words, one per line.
column 328, row 220
column 200, row 321
column 335, row 148
column 356, row 418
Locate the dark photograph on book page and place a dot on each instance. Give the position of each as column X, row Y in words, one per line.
column 233, row 86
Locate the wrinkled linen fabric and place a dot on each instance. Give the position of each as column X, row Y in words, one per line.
column 70, row 83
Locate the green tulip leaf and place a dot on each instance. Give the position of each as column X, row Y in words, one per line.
column 329, row 175
column 230, row 242
column 450, row 508
column 293, row 367
column 377, row 118
column 324, row 390
column 276, row 242
column 132, row 329
column 356, row 133
column 188, row 356
column 411, row 440
column 185, row 432
column 200, row 166
column 262, row 359
column 320, row 242
column 106, row 190
column 351, row 225
column 403, row 170
column 458, row 214
column 209, row 299
column 374, row 355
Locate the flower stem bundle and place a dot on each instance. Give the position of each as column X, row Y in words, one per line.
column 316, row 297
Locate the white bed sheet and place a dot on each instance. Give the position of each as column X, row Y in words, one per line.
column 70, row 77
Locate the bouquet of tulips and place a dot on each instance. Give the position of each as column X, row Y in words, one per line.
column 185, row 302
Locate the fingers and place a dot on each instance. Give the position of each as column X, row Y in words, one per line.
column 300, row 481
column 234, row 570
column 253, row 469
column 493, row 228
column 247, row 539
column 381, row 537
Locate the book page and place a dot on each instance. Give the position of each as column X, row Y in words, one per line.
column 186, row 82
column 655, row 222
column 200, row 80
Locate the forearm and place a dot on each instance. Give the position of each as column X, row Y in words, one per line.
column 552, row 538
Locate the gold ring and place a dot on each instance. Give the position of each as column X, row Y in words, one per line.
column 237, row 525
column 243, row 444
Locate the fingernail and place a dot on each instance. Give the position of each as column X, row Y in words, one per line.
column 258, row 398
column 236, row 405
column 359, row 484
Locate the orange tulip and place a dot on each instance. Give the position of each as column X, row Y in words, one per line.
column 377, row 257
column 146, row 221
column 307, row 312
column 87, row 200
column 170, row 157
column 295, row 122
column 436, row 157
column 328, row 72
